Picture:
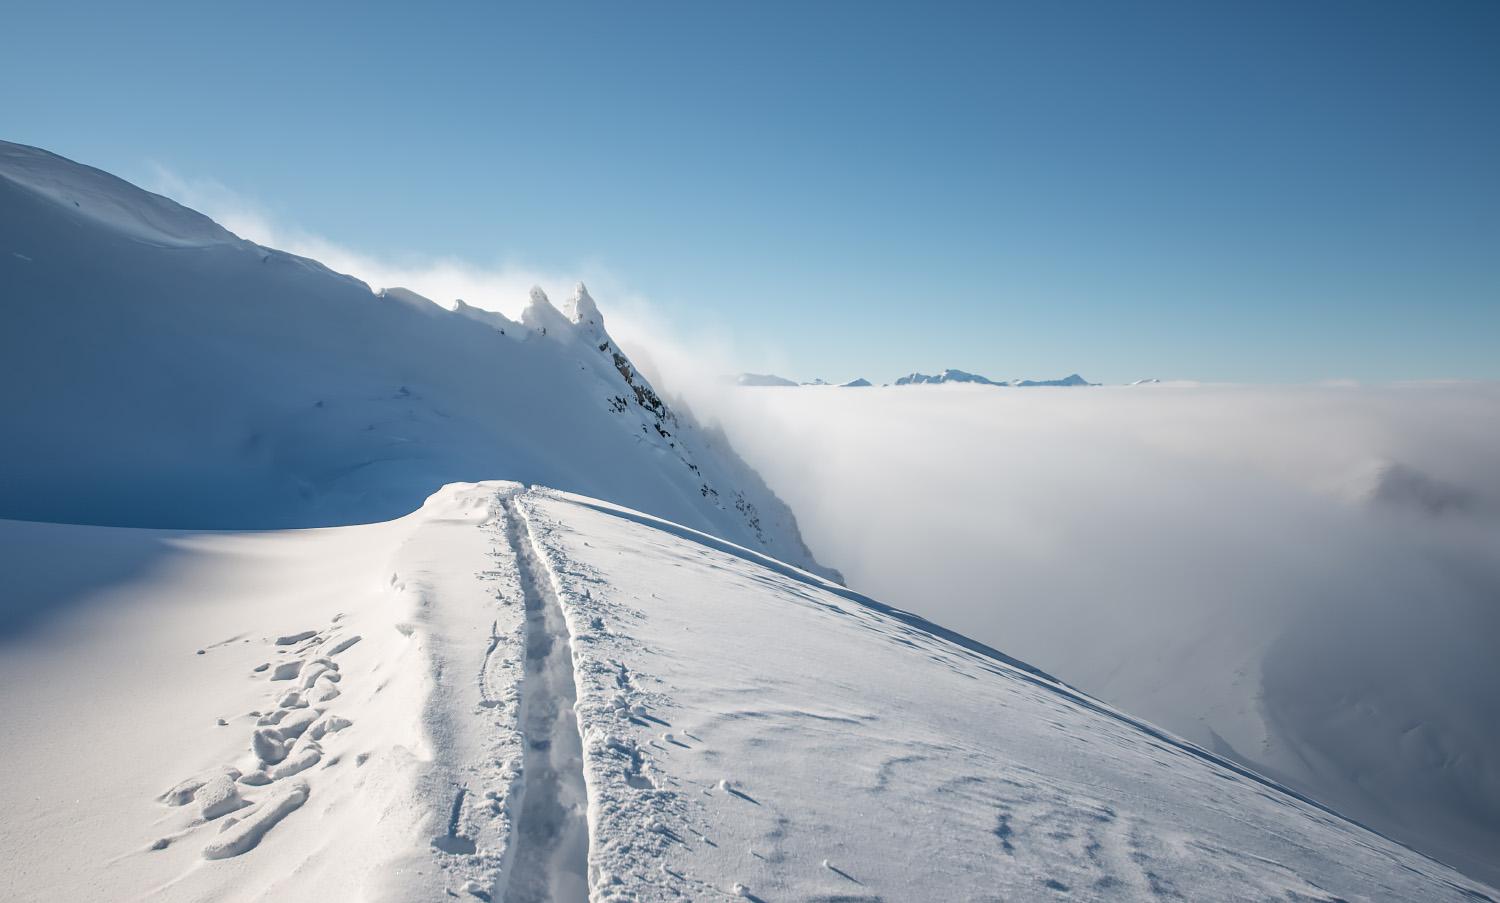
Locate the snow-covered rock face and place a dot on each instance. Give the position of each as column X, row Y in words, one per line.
column 166, row 373
column 520, row 694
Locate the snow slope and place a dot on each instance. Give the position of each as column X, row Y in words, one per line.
column 165, row 373
column 518, row 695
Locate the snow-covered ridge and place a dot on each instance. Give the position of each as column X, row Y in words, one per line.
column 177, row 376
column 520, row 694
column 111, row 202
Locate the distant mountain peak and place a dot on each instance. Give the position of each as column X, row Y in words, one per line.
column 963, row 376
column 1072, row 379
column 947, row 376
column 763, row 379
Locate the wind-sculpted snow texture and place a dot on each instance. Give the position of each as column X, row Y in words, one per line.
column 526, row 695
column 165, row 373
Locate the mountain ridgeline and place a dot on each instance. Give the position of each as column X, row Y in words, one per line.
column 166, row 373
column 960, row 376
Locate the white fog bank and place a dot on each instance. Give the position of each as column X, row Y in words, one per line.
column 1305, row 578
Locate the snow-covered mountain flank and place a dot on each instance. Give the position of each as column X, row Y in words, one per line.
column 165, row 373
column 387, row 712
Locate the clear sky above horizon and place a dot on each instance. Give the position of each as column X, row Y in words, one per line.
column 1249, row 192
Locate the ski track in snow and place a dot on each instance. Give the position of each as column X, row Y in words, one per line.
column 552, row 845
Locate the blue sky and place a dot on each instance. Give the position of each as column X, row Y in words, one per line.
column 1256, row 191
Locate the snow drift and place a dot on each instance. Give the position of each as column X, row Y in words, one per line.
column 165, row 373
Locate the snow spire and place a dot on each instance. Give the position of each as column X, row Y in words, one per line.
column 540, row 315
column 581, row 308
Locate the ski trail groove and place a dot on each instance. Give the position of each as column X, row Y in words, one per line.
column 551, row 858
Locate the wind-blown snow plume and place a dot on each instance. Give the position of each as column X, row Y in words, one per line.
column 501, row 285
column 687, row 365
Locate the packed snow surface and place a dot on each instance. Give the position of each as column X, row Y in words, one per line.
column 525, row 695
